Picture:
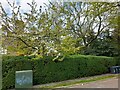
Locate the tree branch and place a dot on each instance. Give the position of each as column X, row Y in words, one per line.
column 23, row 42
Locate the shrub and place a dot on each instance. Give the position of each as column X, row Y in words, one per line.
column 118, row 60
column 46, row 71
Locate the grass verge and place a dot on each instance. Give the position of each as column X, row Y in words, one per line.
column 73, row 82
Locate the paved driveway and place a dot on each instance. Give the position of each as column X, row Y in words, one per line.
column 105, row 83
column 108, row 83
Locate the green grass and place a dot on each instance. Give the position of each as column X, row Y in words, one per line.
column 78, row 82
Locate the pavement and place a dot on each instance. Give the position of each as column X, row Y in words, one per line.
column 108, row 83
column 105, row 83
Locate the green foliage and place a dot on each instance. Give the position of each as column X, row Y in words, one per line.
column 36, row 32
column 118, row 60
column 67, row 47
column 102, row 47
column 46, row 71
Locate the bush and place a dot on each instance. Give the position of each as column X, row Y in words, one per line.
column 46, row 71
column 118, row 60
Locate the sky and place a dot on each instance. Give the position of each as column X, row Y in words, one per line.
column 23, row 3
column 25, row 7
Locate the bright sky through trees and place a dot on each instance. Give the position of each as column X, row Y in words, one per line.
column 22, row 3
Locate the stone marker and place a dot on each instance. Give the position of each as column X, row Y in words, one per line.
column 24, row 79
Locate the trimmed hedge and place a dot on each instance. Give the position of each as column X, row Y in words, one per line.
column 118, row 60
column 46, row 71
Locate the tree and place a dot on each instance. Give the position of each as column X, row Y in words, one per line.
column 115, row 25
column 102, row 46
column 86, row 20
column 29, row 34
column 22, row 28
column 59, row 30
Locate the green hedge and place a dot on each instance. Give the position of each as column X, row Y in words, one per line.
column 46, row 71
column 118, row 60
